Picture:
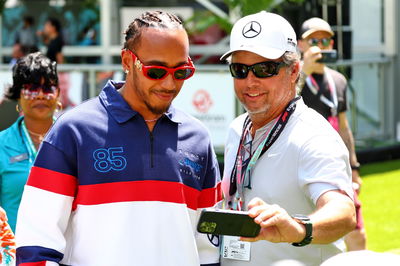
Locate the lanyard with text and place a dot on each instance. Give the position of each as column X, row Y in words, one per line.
column 244, row 162
column 314, row 88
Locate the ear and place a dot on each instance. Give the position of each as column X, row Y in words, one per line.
column 331, row 43
column 126, row 59
column 295, row 72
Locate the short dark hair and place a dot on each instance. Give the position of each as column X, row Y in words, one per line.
column 153, row 19
column 29, row 20
column 32, row 69
column 55, row 23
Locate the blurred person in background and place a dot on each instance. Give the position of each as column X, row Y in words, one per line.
column 325, row 90
column 26, row 36
column 52, row 38
column 19, row 50
column 126, row 165
column 35, row 88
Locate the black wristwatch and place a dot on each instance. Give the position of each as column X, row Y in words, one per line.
column 356, row 166
column 303, row 219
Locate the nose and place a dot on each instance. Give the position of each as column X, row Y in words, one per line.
column 251, row 79
column 321, row 46
column 169, row 83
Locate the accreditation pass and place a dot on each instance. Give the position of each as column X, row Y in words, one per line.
column 233, row 248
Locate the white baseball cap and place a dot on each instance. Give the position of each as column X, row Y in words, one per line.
column 266, row 34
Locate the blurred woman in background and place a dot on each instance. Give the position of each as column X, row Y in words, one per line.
column 35, row 88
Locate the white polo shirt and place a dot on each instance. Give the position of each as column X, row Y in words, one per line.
column 308, row 159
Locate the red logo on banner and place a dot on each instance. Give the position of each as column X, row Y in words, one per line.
column 202, row 101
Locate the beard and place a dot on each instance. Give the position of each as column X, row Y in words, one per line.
column 157, row 110
column 261, row 110
column 147, row 97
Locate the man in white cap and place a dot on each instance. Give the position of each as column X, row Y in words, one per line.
column 324, row 90
column 284, row 163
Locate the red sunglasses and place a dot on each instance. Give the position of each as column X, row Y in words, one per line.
column 160, row 72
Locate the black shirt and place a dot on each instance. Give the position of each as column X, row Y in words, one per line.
column 313, row 100
column 54, row 47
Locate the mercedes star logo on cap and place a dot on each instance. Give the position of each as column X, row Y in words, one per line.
column 251, row 29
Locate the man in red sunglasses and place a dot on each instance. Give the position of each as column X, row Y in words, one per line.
column 325, row 90
column 122, row 178
column 284, row 163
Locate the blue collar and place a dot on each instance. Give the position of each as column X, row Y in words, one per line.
column 120, row 110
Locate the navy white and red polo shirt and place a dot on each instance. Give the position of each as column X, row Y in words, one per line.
column 104, row 190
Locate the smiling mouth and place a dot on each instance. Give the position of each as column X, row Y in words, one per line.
column 254, row 94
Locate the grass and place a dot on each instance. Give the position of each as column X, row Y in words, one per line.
column 380, row 197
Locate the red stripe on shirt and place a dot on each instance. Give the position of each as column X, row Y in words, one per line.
column 146, row 191
column 52, row 181
column 208, row 197
column 39, row 263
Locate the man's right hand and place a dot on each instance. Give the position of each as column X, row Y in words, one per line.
column 276, row 224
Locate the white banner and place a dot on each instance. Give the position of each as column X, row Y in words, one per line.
column 210, row 97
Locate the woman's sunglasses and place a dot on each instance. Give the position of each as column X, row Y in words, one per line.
column 31, row 91
column 315, row 41
column 160, row 72
column 260, row 70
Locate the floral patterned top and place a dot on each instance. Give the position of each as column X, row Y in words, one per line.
column 7, row 241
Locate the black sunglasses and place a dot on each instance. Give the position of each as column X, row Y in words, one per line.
column 260, row 70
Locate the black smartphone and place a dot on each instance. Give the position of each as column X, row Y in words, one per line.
column 328, row 56
column 227, row 222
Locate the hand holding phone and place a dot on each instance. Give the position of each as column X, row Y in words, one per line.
column 227, row 222
column 328, row 56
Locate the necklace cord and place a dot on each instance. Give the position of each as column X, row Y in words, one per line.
column 151, row 120
column 36, row 134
